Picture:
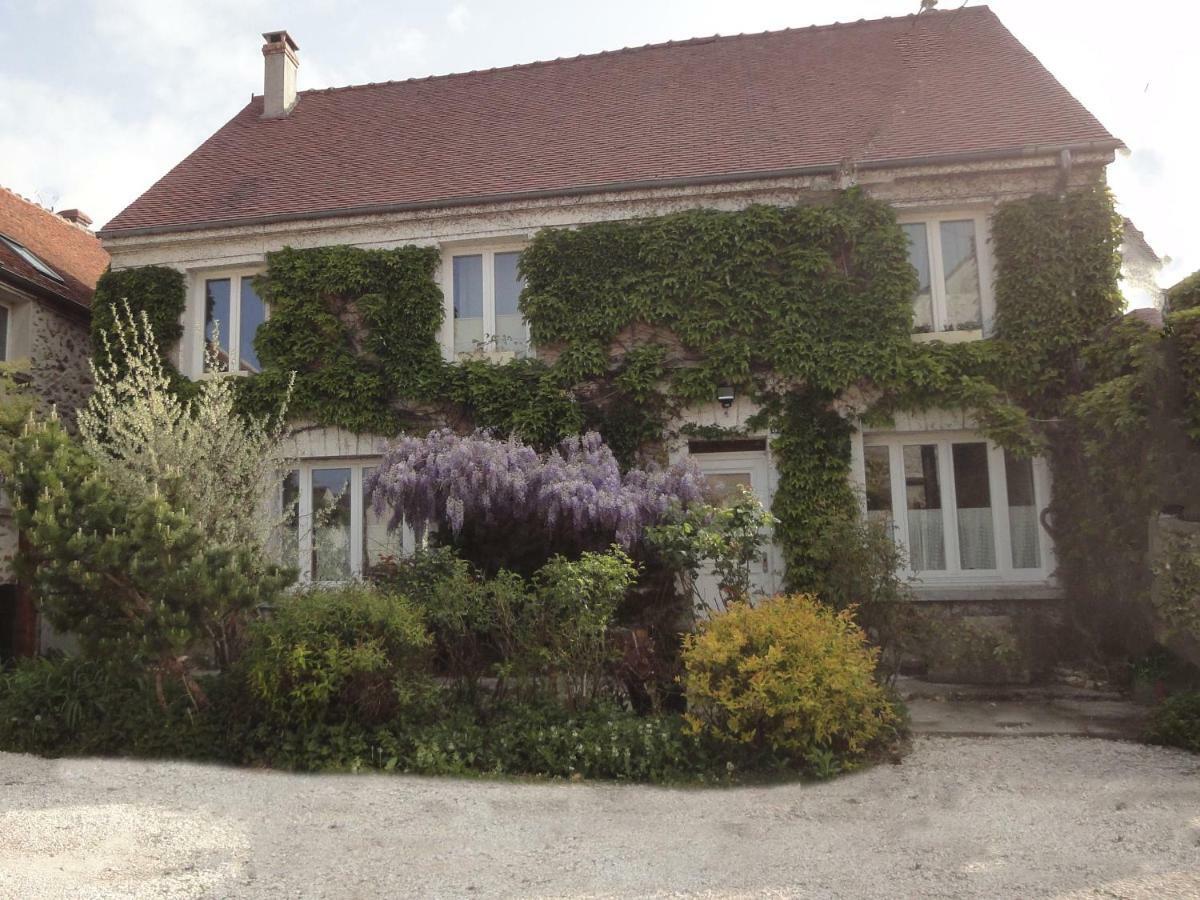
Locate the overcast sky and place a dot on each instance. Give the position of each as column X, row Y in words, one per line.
column 99, row 98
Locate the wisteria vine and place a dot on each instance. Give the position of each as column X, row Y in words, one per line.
column 444, row 480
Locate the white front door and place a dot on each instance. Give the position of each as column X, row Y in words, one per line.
column 726, row 473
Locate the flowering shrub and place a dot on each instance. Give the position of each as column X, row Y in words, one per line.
column 729, row 538
column 789, row 682
column 570, row 499
column 197, row 451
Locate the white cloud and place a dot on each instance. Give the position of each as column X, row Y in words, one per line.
column 459, row 18
column 73, row 151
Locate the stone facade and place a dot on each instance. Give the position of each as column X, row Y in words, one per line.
column 59, row 355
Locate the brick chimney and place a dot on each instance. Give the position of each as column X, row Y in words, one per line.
column 279, row 83
column 77, row 216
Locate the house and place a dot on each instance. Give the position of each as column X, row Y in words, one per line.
column 49, row 264
column 943, row 115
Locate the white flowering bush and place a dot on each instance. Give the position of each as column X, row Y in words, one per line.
column 197, row 451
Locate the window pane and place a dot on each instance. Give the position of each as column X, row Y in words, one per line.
column 725, row 488
column 510, row 327
column 468, row 302
column 964, row 308
column 918, row 255
column 331, row 524
column 973, row 496
column 289, row 526
column 216, row 324
column 1022, row 513
column 378, row 543
column 254, row 313
column 879, row 485
column 923, row 495
column 3, row 333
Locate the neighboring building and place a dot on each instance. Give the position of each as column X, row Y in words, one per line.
column 1140, row 268
column 943, row 115
column 49, row 264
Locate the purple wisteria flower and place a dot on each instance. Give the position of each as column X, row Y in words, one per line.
column 447, row 480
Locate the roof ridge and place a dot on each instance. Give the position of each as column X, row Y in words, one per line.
column 621, row 51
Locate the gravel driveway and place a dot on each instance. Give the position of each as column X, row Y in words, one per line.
column 961, row 817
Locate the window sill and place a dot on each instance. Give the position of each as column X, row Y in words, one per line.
column 499, row 357
column 948, row 337
column 204, row 376
column 996, row 590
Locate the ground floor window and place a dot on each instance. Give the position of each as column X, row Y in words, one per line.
column 960, row 506
column 329, row 529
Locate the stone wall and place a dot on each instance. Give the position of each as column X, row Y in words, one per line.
column 59, row 352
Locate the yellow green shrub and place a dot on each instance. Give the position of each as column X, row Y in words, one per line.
column 789, row 679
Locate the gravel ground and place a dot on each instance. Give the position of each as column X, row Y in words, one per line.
column 960, row 817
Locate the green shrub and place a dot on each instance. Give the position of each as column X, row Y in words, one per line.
column 69, row 705
column 568, row 621
column 550, row 632
column 1176, row 722
column 450, row 594
column 539, row 738
column 347, row 654
column 789, row 682
column 133, row 577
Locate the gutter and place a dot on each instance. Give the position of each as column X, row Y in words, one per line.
column 1109, row 145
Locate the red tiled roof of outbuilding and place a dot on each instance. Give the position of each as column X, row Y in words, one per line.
column 69, row 249
column 940, row 85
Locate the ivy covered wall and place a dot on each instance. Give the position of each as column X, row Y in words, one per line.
column 795, row 307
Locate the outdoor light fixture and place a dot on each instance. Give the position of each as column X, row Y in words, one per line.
column 725, row 396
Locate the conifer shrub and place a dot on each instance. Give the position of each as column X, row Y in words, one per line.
column 787, row 683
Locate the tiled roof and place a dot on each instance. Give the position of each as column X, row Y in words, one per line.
column 71, row 250
column 943, row 84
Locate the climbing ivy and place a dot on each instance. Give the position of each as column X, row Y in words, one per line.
column 797, row 308
column 358, row 327
column 159, row 293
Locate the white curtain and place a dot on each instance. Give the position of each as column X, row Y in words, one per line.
column 1023, row 522
column 926, row 540
column 976, row 538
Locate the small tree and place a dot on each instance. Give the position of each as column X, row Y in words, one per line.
column 133, row 576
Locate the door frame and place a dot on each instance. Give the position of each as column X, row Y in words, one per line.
column 747, row 461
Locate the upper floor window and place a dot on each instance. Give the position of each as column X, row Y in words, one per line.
column 948, row 253
column 484, row 290
column 233, row 311
column 961, row 507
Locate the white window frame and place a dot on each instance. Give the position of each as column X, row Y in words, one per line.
column 488, row 251
column 304, row 542
column 983, row 242
column 194, row 329
column 954, row 574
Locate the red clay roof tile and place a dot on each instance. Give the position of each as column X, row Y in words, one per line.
column 891, row 90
